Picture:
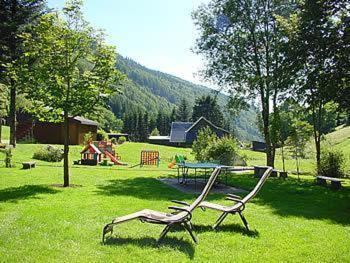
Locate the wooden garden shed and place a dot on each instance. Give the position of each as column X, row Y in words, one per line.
column 53, row 133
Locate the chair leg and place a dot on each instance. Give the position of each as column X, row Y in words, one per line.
column 220, row 219
column 106, row 229
column 244, row 221
column 188, row 227
column 164, row 232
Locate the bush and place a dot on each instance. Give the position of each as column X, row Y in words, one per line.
column 205, row 138
column 114, row 140
column 49, row 154
column 332, row 163
column 224, row 151
column 155, row 132
column 121, row 139
column 101, row 135
column 88, row 137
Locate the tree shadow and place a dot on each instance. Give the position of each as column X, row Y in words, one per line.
column 232, row 228
column 302, row 198
column 14, row 194
column 145, row 188
column 141, row 187
column 184, row 246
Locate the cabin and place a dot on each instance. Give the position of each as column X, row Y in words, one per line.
column 185, row 133
column 31, row 129
column 258, row 146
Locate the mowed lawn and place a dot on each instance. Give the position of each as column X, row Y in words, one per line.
column 291, row 220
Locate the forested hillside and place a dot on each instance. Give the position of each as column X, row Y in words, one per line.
column 152, row 91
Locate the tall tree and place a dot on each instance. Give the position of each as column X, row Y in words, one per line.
column 15, row 17
column 244, row 51
column 208, row 107
column 183, row 111
column 300, row 135
column 73, row 69
column 316, row 47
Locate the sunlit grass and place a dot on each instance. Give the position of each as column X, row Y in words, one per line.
column 291, row 220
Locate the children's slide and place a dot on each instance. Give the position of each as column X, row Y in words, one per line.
column 113, row 159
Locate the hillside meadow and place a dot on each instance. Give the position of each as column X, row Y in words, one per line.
column 290, row 220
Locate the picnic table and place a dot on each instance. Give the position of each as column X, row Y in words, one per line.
column 184, row 167
column 335, row 182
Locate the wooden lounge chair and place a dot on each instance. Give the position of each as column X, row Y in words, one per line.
column 181, row 216
column 239, row 203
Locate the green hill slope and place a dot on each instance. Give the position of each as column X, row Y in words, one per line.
column 340, row 139
column 152, row 90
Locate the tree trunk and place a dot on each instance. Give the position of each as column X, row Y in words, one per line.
column 269, row 157
column 318, row 153
column 13, row 49
column 13, row 114
column 66, row 151
column 283, row 163
column 0, row 129
column 317, row 124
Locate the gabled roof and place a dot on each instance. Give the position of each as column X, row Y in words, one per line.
column 90, row 145
column 210, row 123
column 178, row 131
column 85, row 121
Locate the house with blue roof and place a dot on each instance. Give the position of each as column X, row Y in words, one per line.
column 185, row 133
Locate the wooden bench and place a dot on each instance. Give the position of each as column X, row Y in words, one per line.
column 259, row 171
column 28, row 165
column 335, row 182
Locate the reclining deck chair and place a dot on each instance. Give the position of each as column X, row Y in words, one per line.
column 239, row 204
column 182, row 215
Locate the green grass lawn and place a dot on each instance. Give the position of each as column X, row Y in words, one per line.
column 290, row 220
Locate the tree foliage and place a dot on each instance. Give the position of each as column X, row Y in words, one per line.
column 184, row 111
column 16, row 17
column 244, row 51
column 318, row 47
column 208, row 107
column 67, row 68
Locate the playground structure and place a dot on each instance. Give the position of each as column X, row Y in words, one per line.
column 149, row 157
column 97, row 152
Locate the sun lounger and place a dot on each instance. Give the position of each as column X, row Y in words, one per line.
column 239, row 203
column 181, row 216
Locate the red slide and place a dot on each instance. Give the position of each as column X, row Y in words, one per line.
column 113, row 159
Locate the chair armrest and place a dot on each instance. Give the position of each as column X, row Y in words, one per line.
column 180, row 202
column 234, row 196
column 234, row 199
column 237, row 201
column 181, row 209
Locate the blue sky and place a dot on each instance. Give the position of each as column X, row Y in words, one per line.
column 156, row 33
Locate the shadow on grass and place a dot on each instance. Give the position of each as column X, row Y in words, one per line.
column 232, row 228
column 300, row 198
column 140, row 187
column 183, row 246
column 14, row 194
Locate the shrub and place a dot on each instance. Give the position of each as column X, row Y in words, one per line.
column 8, row 157
column 88, row 137
column 205, row 138
column 49, row 154
column 332, row 163
column 224, row 150
column 114, row 140
column 121, row 139
column 155, row 132
column 101, row 135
